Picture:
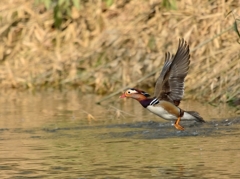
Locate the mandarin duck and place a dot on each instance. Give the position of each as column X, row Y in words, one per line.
column 169, row 89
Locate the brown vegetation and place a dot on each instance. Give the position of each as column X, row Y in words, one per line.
column 103, row 49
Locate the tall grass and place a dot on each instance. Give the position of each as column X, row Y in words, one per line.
column 103, row 46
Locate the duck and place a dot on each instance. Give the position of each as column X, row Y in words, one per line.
column 169, row 89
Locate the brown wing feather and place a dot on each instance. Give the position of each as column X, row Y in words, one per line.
column 170, row 83
column 159, row 87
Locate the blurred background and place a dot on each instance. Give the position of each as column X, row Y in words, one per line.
column 58, row 58
column 101, row 46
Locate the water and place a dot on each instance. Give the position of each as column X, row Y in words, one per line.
column 65, row 135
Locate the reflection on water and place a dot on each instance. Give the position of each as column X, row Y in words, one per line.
column 65, row 135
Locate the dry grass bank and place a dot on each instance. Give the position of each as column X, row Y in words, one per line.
column 101, row 49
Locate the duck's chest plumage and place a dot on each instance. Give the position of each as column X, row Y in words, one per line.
column 161, row 112
column 163, row 109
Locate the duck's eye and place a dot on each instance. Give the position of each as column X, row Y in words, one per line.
column 128, row 92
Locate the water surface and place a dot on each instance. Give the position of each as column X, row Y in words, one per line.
column 66, row 135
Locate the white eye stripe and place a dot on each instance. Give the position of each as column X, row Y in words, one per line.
column 131, row 91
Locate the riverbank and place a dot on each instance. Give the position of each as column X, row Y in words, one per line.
column 102, row 48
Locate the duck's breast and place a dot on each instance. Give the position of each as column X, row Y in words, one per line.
column 160, row 111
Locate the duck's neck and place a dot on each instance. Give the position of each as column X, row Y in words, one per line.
column 145, row 102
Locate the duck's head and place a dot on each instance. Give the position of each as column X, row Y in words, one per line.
column 135, row 93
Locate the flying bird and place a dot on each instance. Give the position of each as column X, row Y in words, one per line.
column 169, row 89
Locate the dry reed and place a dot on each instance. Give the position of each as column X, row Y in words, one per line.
column 101, row 49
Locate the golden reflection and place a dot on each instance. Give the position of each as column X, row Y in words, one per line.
column 55, row 133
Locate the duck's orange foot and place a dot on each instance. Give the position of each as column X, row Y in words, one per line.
column 177, row 125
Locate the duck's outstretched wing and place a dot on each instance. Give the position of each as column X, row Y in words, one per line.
column 170, row 83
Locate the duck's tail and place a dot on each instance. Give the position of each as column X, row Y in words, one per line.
column 196, row 116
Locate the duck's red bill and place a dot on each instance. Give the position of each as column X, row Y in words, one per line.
column 122, row 96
